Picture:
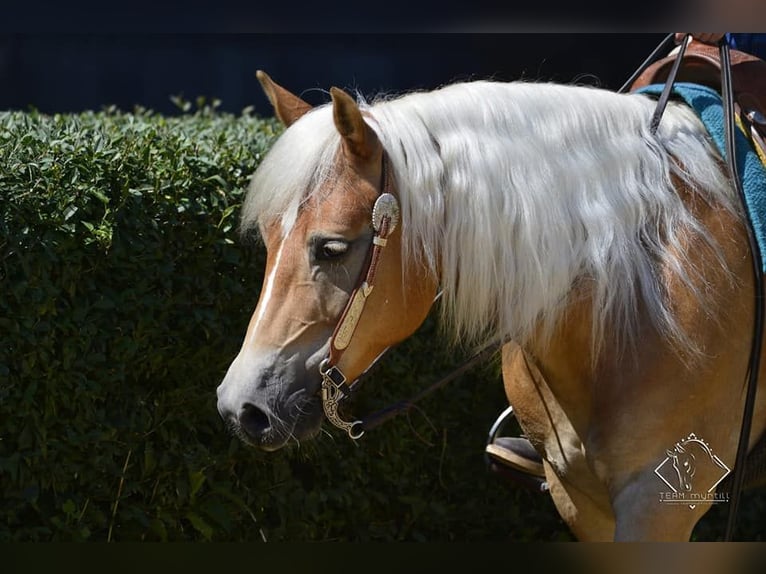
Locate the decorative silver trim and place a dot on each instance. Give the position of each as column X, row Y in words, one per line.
column 385, row 206
column 331, row 397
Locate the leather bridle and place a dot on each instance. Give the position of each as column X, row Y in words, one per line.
column 335, row 385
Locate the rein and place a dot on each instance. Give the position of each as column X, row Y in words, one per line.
column 727, row 96
column 755, row 350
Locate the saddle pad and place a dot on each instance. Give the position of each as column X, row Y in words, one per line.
column 708, row 105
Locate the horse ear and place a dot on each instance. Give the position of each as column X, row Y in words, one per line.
column 287, row 106
column 358, row 138
column 670, row 453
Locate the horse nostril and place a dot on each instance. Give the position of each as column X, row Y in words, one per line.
column 253, row 420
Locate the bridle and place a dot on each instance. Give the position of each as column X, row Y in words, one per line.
column 335, row 385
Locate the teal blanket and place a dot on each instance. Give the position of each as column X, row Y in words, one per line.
column 709, row 107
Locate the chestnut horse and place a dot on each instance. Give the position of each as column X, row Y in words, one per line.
column 614, row 259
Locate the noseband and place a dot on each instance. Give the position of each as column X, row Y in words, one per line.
column 335, row 385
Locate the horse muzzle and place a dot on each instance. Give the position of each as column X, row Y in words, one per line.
column 268, row 402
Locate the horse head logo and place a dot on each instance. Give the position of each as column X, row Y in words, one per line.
column 684, row 463
column 689, row 457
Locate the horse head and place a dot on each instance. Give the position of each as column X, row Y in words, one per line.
column 312, row 198
column 684, row 463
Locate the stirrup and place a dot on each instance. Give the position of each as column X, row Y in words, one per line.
column 512, row 465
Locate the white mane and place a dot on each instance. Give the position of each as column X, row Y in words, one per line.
column 511, row 192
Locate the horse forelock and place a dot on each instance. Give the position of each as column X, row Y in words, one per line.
column 511, row 191
column 292, row 171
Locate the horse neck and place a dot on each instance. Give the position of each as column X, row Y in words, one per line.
column 582, row 374
column 449, row 190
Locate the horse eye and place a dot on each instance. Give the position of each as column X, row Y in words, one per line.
column 331, row 249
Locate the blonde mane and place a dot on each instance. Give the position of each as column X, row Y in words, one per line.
column 511, row 192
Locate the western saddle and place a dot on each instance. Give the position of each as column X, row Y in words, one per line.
column 701, row 64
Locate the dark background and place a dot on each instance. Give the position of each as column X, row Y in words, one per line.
column 97, row 66
column 69, row 56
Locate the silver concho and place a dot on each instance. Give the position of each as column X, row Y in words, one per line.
column 385, row 205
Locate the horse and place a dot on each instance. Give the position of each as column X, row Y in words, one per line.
column 608, row 257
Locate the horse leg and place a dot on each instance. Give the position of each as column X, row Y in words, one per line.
column 588, row 516
column 588, row 520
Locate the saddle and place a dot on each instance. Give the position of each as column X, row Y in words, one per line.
column 701, row 64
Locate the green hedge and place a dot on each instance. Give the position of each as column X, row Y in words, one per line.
column 124, row 294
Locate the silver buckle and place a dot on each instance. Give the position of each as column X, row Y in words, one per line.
column 334, row 390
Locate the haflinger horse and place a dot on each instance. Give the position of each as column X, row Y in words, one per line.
column 613, row 260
